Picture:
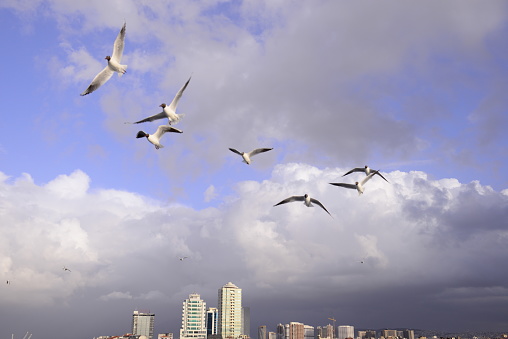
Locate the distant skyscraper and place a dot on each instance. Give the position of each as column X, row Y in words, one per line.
column 408, row 334
column 346, row 331
column 296, row 330
column 211, row 321
column 308, row 332
column 246, row 321
column 193, row 318
column 142, row 323
column 272, row 335
column 280, row 331
column 370, row 334
column 230, row 311
column 262, row 332
column 389, row 333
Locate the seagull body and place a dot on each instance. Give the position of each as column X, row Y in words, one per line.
column 357, row 185
column 66, row 269
column 168, row 112
column 155, row 138
column 246, row 156
column 367, row 170
column 112, row 66
column 182, row 258
column 307, row 200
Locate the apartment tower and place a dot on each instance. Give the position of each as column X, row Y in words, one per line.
column 229, row 323
column 193, row 318
column 142, row 323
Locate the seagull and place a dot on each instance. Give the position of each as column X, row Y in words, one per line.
column 155, row 138
column 182, row 258
column 307, row 200
column 8, row 282
column 357, row 185
column 66, row 269
column 112, row 66
column 168, row 112
column 367, row 170
column 246, row 156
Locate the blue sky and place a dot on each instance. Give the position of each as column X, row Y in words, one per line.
column 414, row 89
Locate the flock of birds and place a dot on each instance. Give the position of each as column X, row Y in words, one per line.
column 169, row 112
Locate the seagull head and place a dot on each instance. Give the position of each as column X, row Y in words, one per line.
column 306, row 196
column 356, row 183
column 141, row 134
column 107, row 58
column 163, row 105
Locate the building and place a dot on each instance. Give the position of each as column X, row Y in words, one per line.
column 165, row 336
column 389, row 333
column 345, row 331
column 408, row 334
column 246, row 321
column 272, row 335
column 193, row 318
column 262, row 334
column 280, row 332
column 211, row 321
column 229, row 324
column 142, row 323
column 308, row 332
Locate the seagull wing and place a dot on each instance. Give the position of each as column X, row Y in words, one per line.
column 259, row 150
column 357, row 169
column 367, row 178
column 235, row 151
column 317, row 202
column 119, row 43
column 377, row 172
column 166, row 128
column 291, row 199
column 177, row 97
column 99, row 80
column 343, row 185
column 157, row 116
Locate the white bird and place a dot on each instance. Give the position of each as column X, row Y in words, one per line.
column 246, row 156
column 112, row 66
column 182, row 258
column 307, row 200
column 66, row 269
column 155, row 138
column 367, row 170
column 168, row 112
column 357, row 185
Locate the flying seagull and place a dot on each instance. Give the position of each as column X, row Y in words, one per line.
column 307, row 200
column 112, row 66
column 168, row 112
column 8, row 282
column 357, row 185
column 367, row 170
column 246, row 156
column 182, row 258
column 66, row 269
column 155, row 138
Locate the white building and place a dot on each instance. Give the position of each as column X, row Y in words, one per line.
column 230, row 311
column 193, row 318
column 346, row 331
column 142, row 323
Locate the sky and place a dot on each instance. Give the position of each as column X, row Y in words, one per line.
column 416, row 89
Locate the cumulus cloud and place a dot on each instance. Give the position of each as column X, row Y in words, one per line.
column 413, row 231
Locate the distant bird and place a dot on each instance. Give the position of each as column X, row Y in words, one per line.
column 246, row 156
column 155, row 138
column 182, row 258
column 367, row 170
column 8, row 282
column 357, row 185
column 66, row 269
column 112, row 66
column 168, row 112
column 307, row 200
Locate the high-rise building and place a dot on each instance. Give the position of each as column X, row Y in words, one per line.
column 308, row 332
column 211, row 321
column 193, row 318
column 142, row 323
column 262, row 334
column 389, row 333
column 280, row 331
column 346, row 331
column 272, row 335
column 246, row 321
column 408, row 334
column 295, row 330
column 230, row 311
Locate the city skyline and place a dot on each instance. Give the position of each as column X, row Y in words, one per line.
column 96, row 223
